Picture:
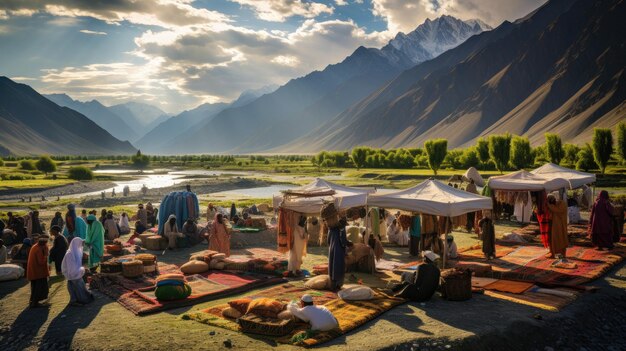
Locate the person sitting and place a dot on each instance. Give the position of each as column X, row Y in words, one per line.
column 111, row 230
column 139, row 228
column 3, row 252
column 320, row 317
column 170, row 231
column 123, row 224
column 452, row 248
column 191, row 232
column 142, row 215
column 396, row 235
column 422, row 284
column 59, row 246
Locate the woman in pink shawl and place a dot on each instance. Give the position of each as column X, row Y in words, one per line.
column 219, row 236
column 601, row 220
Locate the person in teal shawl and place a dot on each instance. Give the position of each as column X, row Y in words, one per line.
column 75, row 226
column 94, row 241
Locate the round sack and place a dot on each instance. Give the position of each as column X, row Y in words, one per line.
column 194, row 267
column 356, row 293
column 319, row 282
column 10, row 272
column 172, row 292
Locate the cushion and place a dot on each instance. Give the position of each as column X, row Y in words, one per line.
column 218, row 256
column 10, row 272
column 356, row 293
column 240, row 305
column 171, row 276
column 231, row 313
column 265, row 307
column 172, row 292
column 285, row 315
column 194, row 267
column 217, row 264
column 320, row 282
column 169, row 282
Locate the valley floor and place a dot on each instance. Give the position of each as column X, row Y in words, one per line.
column 593, row 322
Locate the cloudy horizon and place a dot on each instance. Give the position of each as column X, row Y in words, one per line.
column 177, row 54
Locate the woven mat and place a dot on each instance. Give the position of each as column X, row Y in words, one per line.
column 477, row 252
column 543, row 301
column 509, row 286
column 349, row 314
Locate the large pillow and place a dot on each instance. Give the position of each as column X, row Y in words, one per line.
column 266, row 307
column 194, row 267
column 217, row 264
column 218, row 256
column 172, row 292
column 240, row 305
column 319, row 282
column 10, row 272
column 171, row 276
column 231, row 313
column 356, row 293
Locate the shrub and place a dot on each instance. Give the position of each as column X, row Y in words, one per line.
column 436, row 151
column 80, row 173
column 470, row 158
column 602, row 145
column 359, row 155
column 585, row 160
column 27, row 165
column 46, row 165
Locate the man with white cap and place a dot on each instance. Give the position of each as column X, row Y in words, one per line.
column 421, row 285
column 319, row 316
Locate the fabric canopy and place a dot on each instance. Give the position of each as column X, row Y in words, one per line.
column 526, row 181
column 473, row 174
column 432, row 197
column 311, row 198
column 575, row 178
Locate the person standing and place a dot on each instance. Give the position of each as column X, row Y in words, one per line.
column 123, row 224
column 211, row 211
column 298, row 248
column 170, row 231
column 94, row 241
column 558, row 235
column 38, row 271
column 601, row 222
column 59, row 246
column 488, row 235
column 337, row 245
column 142, row 215
column 57, row 220
column 73, row 270
column 151, row 213
column 233, row 212
column 219, row 236
column 33, row 225
column 74, row 226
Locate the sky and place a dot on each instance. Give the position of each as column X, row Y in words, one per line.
column 177, row 54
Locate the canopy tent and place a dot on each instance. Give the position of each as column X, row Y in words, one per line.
column 310, row 198
column 575, row 178
column 432, row 197
column 473, row 174
column 526, row 181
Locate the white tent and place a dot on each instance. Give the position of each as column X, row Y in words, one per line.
column 526, row 181
column 310, row 198
column 432, row 197
column 575, row 178
column 473, row 174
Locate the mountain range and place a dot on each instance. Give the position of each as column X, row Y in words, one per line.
column 304, row 103
column 31, row 124
column 560, row 69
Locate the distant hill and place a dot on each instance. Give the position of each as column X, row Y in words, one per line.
column 98, row 113
column 559, row 69
column 31, row 124
column 141, row 117
column 304, row 103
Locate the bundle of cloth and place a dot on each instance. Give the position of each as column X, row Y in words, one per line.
column 182, row 204
column 171, row 287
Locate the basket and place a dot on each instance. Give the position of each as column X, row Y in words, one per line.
column 143, row 238
column 252, row 323
column 456, row 284
column 111, row 267
column 149, row 262
column 132, row 269
column 330, row 215
column 155, row 243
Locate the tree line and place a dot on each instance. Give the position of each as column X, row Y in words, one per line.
column 496, row 152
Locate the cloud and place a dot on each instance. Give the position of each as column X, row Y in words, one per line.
column 406, row 15
column 87, row 31
column 164, row 13
column 341, row 2
column 280, row 10
column 290, row 61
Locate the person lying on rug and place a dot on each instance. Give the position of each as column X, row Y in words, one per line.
column 422, row 284
column 320, row 317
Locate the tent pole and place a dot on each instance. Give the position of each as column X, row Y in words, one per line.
column 367, row 223
column 445, row 242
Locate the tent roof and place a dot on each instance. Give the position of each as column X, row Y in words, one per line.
column 311, row 197
column 526, row 181
column 472, row 173
column 576, row 178
column 432, row 197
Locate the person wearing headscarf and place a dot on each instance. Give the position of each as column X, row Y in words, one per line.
column 210, row 212
column 94, row 241
column 103, row 216
column 420, row 285
column 488, row 235
column 33, row 224
column 601, row 222
column 83, row 215
column 319, row 316
column 139, row 228
column 558, row 227
column 123, row 224
column 170, row 231
column 74, row 226
column 59, row 246
column 298, row 248
column 150, row 214
column 191, row 232
column 219, row 236
column 337, row 247
column 111, row 230
column 142, row 215
column 57, row 220
column 233, row 211
column 38, row 271
column 73, row 270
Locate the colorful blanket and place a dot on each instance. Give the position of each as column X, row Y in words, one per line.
column 349, row 314
column 477, row 252
column 137, row 295
column 544, row 301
